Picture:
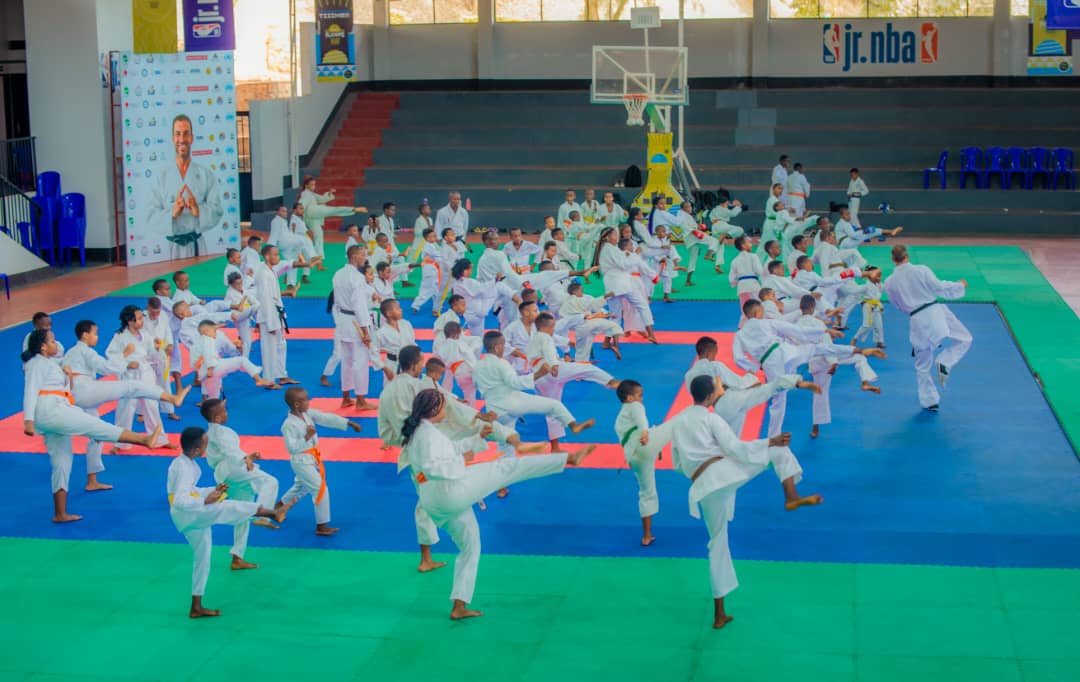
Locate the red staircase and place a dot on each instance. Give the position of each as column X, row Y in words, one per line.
column 353, row 149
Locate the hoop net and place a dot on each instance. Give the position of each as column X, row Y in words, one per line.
column 635, row 108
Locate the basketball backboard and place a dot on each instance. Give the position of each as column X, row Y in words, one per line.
column 659, row 72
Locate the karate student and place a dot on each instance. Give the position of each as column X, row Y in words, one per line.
column 641, row 446
column 771, row 345
column 785, row 287
column 212, row 368
column 799, row 245
column 696, row 239
column 305, row 244
column 451, row 250
column 856, row 190
column 131, row 348
column 479, row 297
column 581, row 237
column 914, row 291
column 494, row 268
column 610, row 214
column 596, row 320
column 619, row 285
column 157, row 323
column 352, row 330
column 50, row 409
column 460, row 357
column 244, row 304
column 84, row 364
column 448, row 488
column 798, row 191
column 431, row 270
column 302, row 442
column 788, row 227
column 824, row 367
column 828, row 285
column 741, row 393
column 590, row 207
column 271, row 317
column 519, row 250
column 42, row 321
column 773, row 205
column 850, row 235
column 780, row 176
column 668, row 264
column 453, row 216
column 719, row 220
column 385, row 223
column 718, row 463
column 195, row 510
column 290, row 245
column 567, row 207
column 317, row 210
column 395, row 332
column 746, row 271
column 455, row 313
column 541, row 350
column 872, row 310
column 240, row 471
column 233, row 263
column 545, row 234
column 422, row 223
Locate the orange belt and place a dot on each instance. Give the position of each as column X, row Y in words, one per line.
column 314, row 452
column 438, row 270
column 520, row 269
column 62, row 394
column 796, row 194
column 421, row 478
column 535, row 362
column 635, row 274
column 455, row 365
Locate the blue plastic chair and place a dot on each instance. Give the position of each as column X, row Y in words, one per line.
column 7, row 285
column 971, row 163
column 995, row 164
column 1041, row 164
column 1016, row 163
column 1063, row 165
column 73, row 227
column 45, row 239
column 25, row 239
column 939, row 169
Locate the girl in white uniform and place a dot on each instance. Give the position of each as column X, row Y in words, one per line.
column 131, row 348
column 431, row 271
column 316, row 211
column 49, row 409
column 448, row 489
column 196, row 510
column 618, row 282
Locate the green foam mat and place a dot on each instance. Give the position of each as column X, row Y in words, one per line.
column 122, row 612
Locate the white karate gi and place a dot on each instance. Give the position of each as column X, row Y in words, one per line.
column 351, row 314
column 780, row 177
column 306, row 460
column 447, row 217
column 160, row 362
column 448, row 490
column 745, row 276
column 914, row 290
column 391, row 341
column 541, row 349
column 696, row 240
column 608, row 216
column 316, row 211
column 479, row 299
column 565, row 208
column 226, row 458
column 270, row 316
column 698, row 436
column 719, row 223
column 47, row 401
column 194, row 518
column 249, row 306
column 433, row 272
column 460, row 358
column 503, row 389
column 419, row 225
column 585, row 333
column 630, row 424
column 786, row 289
column 616, row 268
column 493, row 267
column 820, row 366
column 798, row 191
column 519, row 255
column 205, row 355
column 768, row 223
column 163, row 191
column 386, row 225
column 856, row 190
column 741, row 393
column 872, row 313
column 125, row 411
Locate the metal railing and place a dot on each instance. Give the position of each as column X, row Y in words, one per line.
column 19, row 213
column 18, row 163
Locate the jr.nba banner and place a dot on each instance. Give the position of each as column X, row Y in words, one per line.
column 335, row 47
column 153, row 24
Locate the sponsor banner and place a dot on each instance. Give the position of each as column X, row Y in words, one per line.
column 1049, row 50
column 850, row 45
column 335, row 47
column 179, row 147
column 208, row 26
column 1063, row 14
column 153, row 26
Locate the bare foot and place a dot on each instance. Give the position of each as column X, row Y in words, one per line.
column 578, row 427
column 324, row 381
column 808, row 501
column 652, row 339
column 325, row 530
column 203, row 613
column 647, row 540
column 239, row 564
column 482, row 505
column 613, row 384
column 178, row 399
column 870, row 388
column 66, row 518
column 460, row 612
column 875, row 353
column 347, row 402
column 363, row 405
column 305, row 280
column 576, row 458
column 616, row 351
column 719, row 624
column 428, row 566
column 169, row 446
column 503, row 492
column 173, row 417
column 96, row 485
column 149, row 439
column 814, row 431
column 718, row 270
column 531, row 448
column 266, row 523
column 286, row 381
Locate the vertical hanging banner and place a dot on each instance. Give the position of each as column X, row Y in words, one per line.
column 208, row 26
column 335, row 47
column 1049, row 51
column 1063, row 14
column 179, row 146
column 153, row 24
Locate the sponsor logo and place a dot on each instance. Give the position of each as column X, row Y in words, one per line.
column 843, row 46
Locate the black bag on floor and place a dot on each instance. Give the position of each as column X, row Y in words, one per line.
column 632, row 177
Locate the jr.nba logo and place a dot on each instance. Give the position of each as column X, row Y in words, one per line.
column 928, row 49
column 830, row 44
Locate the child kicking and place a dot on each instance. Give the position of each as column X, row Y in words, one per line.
column 195, row 510
column 212, row 368
column 641, row 447
column 872, row 310
column 302, row 442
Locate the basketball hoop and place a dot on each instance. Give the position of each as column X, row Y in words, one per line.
column 635, row 108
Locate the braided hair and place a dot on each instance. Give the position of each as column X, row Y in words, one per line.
column 426, row 405
column 600, row 244
column 127, row 316
column 37, row 340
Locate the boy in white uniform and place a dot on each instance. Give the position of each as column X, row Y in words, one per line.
column 746, row 271
column 872, row 310
column 156, row 323
column 798, row 191
column 541, row 351
column 719, row 223
column 433, row 273
column 914, row 291
column 240, row 471
column 785, row 287
column 610, row 214
column 395, row 332
column 271, row 317
column 422, row 223
column 566, row 208
column 641, row 447
column 774, row 204
column 212, row 368
column 302, row 442
column 195, row 510
column 519, row 250
column 718, row 463
column 856, row 190
column 352, row 329
column 590, row 207
column 244, row 304
column 597, row 320
column 459, row 358
column 696, row 239
column 780, row 175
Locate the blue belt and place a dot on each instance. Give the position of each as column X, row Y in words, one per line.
column 748, row 277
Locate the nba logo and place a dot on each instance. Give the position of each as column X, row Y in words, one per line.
column 830, row 44
column 928, row 43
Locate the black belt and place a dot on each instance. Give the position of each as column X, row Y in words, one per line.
column 284, row 319
column 391, row 357
column 346, row 312
column 921, row 308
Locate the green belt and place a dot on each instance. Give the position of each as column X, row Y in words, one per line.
column 770, row 217
column 768, row 353
column 626, row 436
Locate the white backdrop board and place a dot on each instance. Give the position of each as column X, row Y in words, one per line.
column 180, row 175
